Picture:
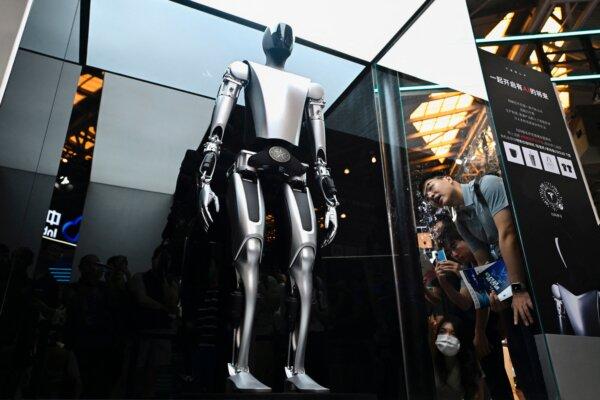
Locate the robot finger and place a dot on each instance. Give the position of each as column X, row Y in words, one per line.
column 209, row 219
column 331, row 235
column 217, row 206
column 327, row 240
column 205, row 223
column 333, row 232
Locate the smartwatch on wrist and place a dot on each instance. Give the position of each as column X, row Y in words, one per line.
column 518, row 287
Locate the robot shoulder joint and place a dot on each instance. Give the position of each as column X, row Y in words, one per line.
column 239, row 70
column 316, row 91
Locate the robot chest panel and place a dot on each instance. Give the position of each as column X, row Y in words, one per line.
column 277, row 100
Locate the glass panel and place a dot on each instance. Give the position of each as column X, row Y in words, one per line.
column 53, row 29
column 138, row 199
column 433, row 44
column 444, row 138
column 161, row 324
column 192, row 49
column 33, row 120
column 331, row 24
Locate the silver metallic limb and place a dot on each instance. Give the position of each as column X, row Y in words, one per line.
column 315, row 110
column 302, row 256
column 247, row 212
column 329, row 193
column 207, row 197
column 234, row 79
column 331, row 225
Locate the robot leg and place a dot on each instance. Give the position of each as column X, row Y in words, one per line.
column 246, row 209
column 563, row 320
column 303, row 226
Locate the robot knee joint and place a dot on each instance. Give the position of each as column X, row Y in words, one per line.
column 251, row 250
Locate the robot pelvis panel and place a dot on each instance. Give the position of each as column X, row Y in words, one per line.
column 246, row 208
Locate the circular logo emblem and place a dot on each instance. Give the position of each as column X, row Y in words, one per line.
column 551, row 197
column 279, row 154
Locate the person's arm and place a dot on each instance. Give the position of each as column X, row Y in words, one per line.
column 461, row 299
column 482, row 256
column 480, row 340
column 171, row 296
column 480, row 390
column 433, row 295
column 509, row 247
column 139, row 293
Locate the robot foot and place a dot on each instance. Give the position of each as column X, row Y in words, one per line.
column 242, row 381
column 303, row 383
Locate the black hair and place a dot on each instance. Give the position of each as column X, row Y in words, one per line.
column 448, row 235
column 470, row 373
column 115, row 259
column 87, row 259
column 427, row 178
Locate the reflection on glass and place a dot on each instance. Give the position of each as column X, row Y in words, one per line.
column 53, row 29
column 63, row 220
column 447, row 133
column 191, row 49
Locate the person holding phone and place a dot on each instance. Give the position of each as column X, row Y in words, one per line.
column 484, row 220
column 487, row 339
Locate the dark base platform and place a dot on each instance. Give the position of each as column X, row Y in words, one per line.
column 280, row 396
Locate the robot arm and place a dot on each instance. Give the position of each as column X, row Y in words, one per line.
column 315, row 108
column 234, row 79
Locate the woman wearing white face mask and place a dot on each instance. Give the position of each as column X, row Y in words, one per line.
column 457, row 373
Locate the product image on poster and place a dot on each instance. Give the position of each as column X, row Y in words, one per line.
column 551, row 203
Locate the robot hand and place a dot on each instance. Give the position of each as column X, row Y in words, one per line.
column 207, row 197
column 331, row 225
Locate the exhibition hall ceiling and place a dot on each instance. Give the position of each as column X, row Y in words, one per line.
column 187, row 49
column 442, row 49
column 359, row 31
column 187, row 44
column 438, row 47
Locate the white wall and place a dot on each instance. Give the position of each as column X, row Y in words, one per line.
column 13, row 14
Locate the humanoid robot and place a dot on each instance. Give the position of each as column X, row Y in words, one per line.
column 279, row 102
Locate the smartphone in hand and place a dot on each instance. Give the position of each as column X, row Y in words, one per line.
column 441, row 255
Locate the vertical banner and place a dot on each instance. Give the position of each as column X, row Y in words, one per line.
column 553, row 210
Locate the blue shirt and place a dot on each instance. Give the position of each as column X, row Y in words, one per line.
column 475, row 221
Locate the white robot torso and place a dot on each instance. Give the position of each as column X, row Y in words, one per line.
column 277, row 99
